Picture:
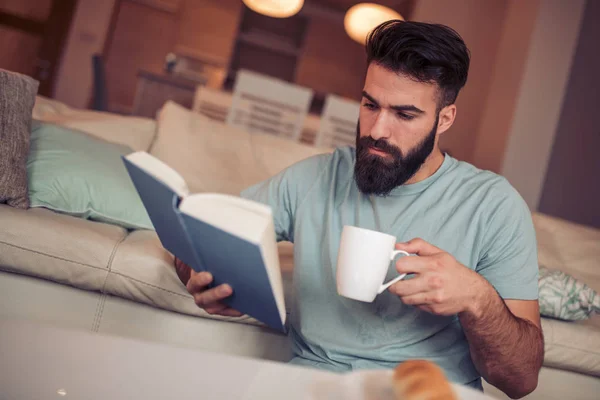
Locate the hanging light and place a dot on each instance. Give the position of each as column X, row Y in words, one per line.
column 364, row 17
column 275, row 8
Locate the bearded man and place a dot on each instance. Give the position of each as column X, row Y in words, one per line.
column 470, row 303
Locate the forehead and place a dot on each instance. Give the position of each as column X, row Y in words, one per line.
column 392, row 89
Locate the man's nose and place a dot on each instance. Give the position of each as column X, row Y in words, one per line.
column 381, row 128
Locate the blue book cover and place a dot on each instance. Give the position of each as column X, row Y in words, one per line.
column 161, row 203
column 232, row 238
column 240, row 264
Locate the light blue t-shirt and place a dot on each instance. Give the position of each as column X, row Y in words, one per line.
column 474, row 215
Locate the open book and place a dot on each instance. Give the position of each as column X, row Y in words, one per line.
column 231, row 237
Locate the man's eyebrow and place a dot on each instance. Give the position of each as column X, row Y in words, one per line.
column 409, row 107
column 403, row 108
column 370, row 98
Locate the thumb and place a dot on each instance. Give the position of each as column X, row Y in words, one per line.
column 419, row 247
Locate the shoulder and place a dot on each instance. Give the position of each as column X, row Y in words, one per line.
column 493, row 202
column 501, row 210
column 488, row 186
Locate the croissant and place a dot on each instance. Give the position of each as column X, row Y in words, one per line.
column 421, row 380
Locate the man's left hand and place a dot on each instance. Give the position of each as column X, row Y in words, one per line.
column 441, row 284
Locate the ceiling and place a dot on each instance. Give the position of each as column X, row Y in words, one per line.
column 402, row 6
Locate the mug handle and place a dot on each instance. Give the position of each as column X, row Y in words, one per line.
column 383, row 287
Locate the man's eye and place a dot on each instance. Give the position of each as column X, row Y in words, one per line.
column 404, row 116
column 369, row 106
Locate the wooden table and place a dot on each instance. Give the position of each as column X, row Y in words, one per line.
column 46, row 362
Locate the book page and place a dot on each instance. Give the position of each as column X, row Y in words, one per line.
column 160, row 171
column 239, row 217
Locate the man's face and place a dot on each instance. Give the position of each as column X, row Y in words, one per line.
column 397, row 130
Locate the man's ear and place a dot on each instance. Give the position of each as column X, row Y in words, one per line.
column 446, row 118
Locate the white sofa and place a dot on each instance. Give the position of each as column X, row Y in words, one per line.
column 76, row 273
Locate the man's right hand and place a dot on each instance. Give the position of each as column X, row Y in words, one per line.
column 209, row 299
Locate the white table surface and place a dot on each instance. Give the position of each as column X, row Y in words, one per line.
column 45, row 362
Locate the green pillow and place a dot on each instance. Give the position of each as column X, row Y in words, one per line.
column 563, row 297
column 79, row 175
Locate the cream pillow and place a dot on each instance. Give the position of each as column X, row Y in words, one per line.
column 215, row 157
column 136, row 133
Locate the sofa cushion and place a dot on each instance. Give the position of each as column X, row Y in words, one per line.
column 57, row 247
column 569, row 247
column 573, row 346
column 17, row 95
column 76, row 174
column 143, row 271
column 215, row 157
column 134, row 132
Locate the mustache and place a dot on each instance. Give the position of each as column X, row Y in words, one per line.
column 379, row 144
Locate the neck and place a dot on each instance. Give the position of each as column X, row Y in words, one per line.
column 429, row 167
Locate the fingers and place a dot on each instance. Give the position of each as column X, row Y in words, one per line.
column 222, row 309
column 409, row 287
column 423, row 299
column 421, row 264
column 230, row 312
column 211, row 301
column 208, row 298
column 412, row 265
column 198, row 281
column 419, row 247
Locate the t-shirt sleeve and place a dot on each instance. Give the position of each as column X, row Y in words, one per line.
column 509, row 259
column 285, row 191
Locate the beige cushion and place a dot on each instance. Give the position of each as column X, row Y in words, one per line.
column 214, row 157
column 143, row 271
column 17, row 95
column 569, row 247
column 65, row 249
column 575, row 250
column 134, row 132
column 572, row 346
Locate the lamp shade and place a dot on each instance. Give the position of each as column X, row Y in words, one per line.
column 364, row 17
column 275, row 8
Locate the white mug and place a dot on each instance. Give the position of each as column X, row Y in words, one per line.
column 363, row 260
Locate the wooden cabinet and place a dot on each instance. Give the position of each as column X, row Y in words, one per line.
column 155, row 89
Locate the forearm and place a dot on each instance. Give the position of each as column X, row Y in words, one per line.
column 508, row 351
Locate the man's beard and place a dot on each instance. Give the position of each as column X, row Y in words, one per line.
column 379, row 175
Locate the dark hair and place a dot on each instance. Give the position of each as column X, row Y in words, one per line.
column 424, row 52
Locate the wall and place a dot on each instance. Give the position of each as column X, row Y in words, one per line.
column 571, row 189
column 19, row 50
column 507, row 77
column 481, row 25
column 336, row 64
column 143, row 35
column 330, row 62
column 208, row 27
column 86, row 37
column 540, row 96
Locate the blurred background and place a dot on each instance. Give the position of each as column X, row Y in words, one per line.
column 527, row 112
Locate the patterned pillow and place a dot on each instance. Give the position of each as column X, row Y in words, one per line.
column 17, row 95
column 562, row 296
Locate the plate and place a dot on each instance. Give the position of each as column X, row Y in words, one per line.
column 372, row 385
